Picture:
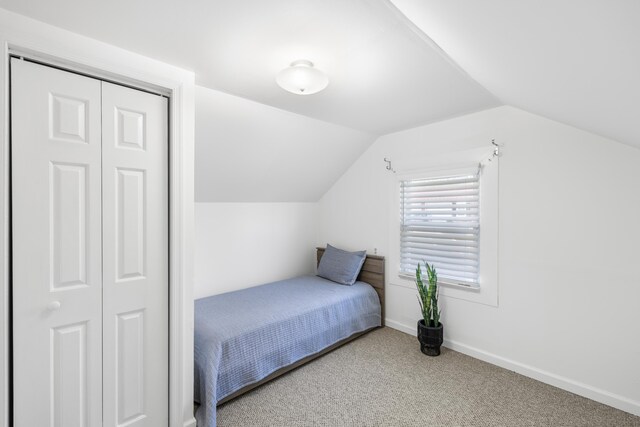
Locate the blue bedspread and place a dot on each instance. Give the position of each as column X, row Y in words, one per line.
column 241, row 337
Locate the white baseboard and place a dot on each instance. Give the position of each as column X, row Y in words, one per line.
column 401, row 327
column 190, row 423
column 585, row 390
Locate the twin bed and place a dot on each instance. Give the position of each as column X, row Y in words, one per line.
column 248, row 337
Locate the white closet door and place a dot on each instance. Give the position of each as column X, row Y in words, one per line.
column 57, row 304
column 135, row 276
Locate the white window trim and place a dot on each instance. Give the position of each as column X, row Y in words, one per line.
column 487, row 291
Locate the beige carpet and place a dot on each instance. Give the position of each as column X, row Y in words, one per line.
column 382, row 379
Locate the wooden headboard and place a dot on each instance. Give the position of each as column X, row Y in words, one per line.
column 372, row 273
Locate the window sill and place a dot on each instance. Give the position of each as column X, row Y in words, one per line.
column 485, row 295
column 445, row 283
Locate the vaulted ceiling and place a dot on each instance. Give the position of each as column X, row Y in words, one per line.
column 392, row 64
column 384, row 75
column 573, row 61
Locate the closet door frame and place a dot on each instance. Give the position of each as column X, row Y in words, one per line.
column 23, row 37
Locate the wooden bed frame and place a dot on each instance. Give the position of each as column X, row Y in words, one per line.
column 373, row 273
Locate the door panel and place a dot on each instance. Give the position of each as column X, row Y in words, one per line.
column 56, row 247
column 90, row 251
column 135, row 277
column 69, row 371
column 130, row 362
column 69, row 211
column 130, row 224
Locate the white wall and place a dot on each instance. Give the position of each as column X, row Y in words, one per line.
column 569, row 286
column 259, row 173
column 246, row 244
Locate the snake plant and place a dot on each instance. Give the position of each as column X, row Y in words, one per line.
column 428, row 295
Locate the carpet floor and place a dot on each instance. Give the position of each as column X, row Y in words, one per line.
column 382, row 379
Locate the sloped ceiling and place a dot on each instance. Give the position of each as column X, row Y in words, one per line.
column 573, row 61
column 383, row 75
column 251, row 152
column 392, row 65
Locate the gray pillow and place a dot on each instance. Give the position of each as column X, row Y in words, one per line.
column 341, row 266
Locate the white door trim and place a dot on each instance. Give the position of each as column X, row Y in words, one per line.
column 18, row 33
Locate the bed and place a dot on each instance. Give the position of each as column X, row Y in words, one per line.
column 247, row 337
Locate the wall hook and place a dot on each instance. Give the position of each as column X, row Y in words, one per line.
column 496, row 150
column 388, row 167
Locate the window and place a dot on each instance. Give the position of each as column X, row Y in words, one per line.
column 440, row 224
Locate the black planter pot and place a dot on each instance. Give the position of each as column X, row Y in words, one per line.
column 430, row 338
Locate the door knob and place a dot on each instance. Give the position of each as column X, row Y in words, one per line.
column 54, row 305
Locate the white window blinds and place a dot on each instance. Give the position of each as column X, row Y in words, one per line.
column 440, row 224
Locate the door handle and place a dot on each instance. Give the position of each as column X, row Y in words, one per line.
column 54, row 305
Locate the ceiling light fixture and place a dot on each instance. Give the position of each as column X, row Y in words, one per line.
column 302, row 78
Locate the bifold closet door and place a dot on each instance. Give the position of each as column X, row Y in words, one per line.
column 135, row 247
column 57, row 247
column 90, row 251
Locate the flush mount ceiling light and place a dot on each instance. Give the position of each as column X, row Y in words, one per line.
column 301, row 78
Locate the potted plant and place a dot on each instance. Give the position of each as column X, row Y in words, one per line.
column 429, row 327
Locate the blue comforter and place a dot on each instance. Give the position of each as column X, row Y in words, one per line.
column 241, row 337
